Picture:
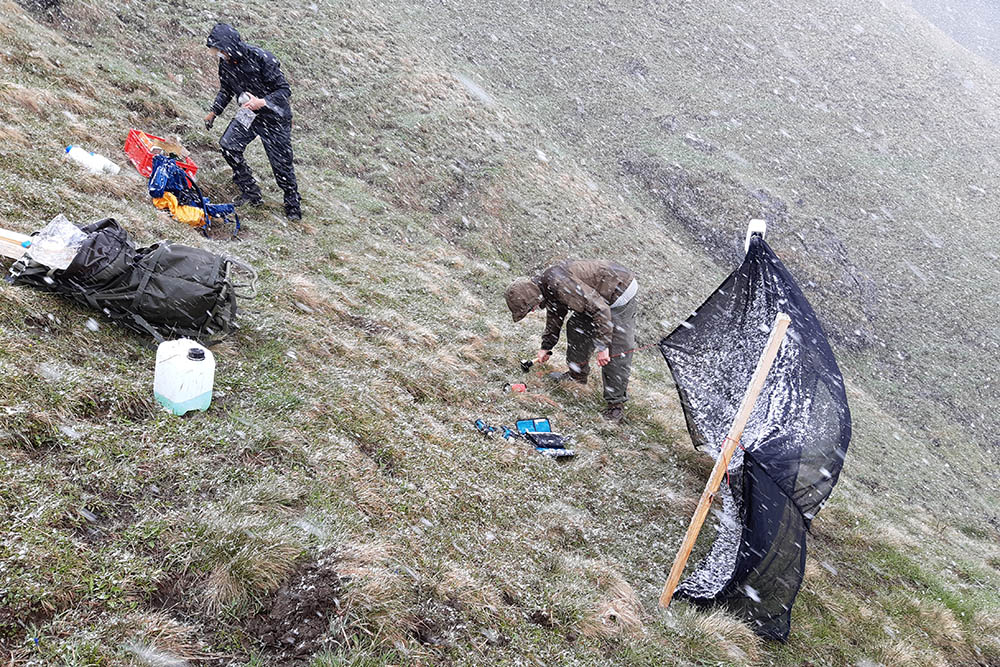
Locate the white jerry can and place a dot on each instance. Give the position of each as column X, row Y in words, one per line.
column 185, row 373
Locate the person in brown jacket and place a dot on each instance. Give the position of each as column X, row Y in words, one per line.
column 602, row 296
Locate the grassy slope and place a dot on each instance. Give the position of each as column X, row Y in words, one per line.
column 343, row 424
column 867, row 137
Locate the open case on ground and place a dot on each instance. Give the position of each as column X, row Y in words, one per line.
column 537, row 425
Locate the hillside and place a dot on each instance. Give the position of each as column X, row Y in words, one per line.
column 335, row 504
column 971, row 23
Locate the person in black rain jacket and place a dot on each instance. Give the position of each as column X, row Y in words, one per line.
column 253, row 74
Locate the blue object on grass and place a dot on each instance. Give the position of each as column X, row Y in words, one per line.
column 537, row 425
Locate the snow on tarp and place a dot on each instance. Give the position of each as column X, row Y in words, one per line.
column 792, row 448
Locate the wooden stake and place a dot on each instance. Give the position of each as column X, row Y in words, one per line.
column 778, row 329
column 11, row 243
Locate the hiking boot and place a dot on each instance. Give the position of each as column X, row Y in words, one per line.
column 245, row 199
column 568, row 375
column 615, row 413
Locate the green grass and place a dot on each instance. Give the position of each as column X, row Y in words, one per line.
column 342, row 422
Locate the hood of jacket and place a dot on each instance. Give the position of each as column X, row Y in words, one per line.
column 225, row 38
column 522, row 295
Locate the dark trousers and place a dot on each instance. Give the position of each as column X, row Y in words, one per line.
column 276, row 136
column 580, row 346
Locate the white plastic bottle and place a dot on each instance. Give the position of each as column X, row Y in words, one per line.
column 106, row 165
column 93, row 162
column 185, row 373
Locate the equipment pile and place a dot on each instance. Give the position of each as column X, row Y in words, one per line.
column 164, row 290
column 536, row 431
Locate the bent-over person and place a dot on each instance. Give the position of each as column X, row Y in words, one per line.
column 602, row 297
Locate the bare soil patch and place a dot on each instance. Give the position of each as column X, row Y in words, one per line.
column 291, row 630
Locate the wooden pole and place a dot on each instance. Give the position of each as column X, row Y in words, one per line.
column 12, row 243
column 778, row 329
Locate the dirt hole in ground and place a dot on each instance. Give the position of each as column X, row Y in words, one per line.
column 383, row 456
column 542, row 617
column 291, row 628
column 438, row 623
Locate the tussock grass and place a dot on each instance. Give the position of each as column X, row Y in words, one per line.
column 157, row 639
column 10, row 135
column 243, row 558
column 378, row 597
column 246, row 566
column 939, row 622
column 619, row 613
column 31, row 431
column 38, row 101
column 738, row 641
column 463, row 588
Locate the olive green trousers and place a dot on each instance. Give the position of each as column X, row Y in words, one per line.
column 580, row 347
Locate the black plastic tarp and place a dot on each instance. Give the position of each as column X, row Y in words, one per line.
column 792, row 448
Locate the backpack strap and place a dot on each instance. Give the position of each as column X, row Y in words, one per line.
column 225, row 305
column 30, row 271
column 250, row 286
column 140, row 324
column 154, row 258
column 201, row 196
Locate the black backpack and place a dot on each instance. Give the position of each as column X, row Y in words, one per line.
column 166, row 290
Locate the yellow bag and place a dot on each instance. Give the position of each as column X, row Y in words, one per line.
column 189, row 215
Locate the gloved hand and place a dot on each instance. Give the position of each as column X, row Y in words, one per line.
column 209, row 120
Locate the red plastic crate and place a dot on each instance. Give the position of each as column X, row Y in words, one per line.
column 140, row 146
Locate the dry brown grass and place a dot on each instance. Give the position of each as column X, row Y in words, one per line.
column 897, row 539
column 619, row 614
column 8, row 10
column 379, row 594
column 306, row 293
column 11, row 135
column 442, row 361
column 78, row 104
column 728, row 638
column 82, row 134
column 81, row 89
column 250, row 562
column 565, row 525
column 154, row 638
column 429, row 87
column 136, row 638
column 938, row 622
column 608, row 604
column 813, row 571
column 481, row 601
column 369, row 496
column 677, row 503
column 474, row 351
column 901, row 653
column 40, row 102
column 254, row 570
column 120, row 186
column 986, row 634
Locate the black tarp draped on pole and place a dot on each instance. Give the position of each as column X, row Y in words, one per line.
column 792, row 448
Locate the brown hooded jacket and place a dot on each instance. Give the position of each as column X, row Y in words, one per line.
column 586, row 286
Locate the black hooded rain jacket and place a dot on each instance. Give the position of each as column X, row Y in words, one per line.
column 250, row 69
